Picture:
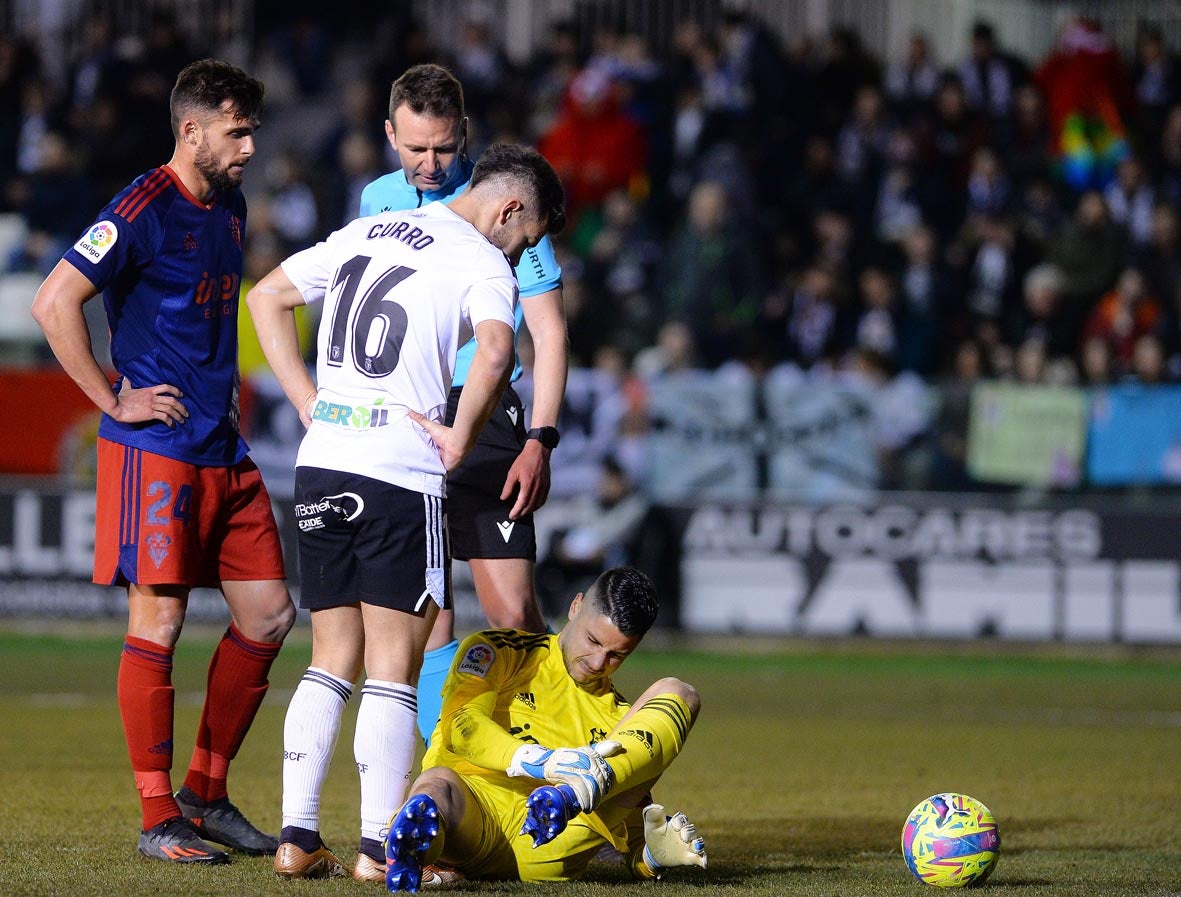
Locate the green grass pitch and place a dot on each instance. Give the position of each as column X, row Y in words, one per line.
column 801, row 770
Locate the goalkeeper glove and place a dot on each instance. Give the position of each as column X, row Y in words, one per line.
column 583, row 769
column 670, row 841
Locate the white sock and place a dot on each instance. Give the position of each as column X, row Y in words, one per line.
column 386, row 738
column 310, row 731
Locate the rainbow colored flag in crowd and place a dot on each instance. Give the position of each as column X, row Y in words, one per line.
column 1086, row 89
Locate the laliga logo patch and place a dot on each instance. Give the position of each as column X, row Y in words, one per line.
column 477, row 660
column 158, row 547
column 97, row 241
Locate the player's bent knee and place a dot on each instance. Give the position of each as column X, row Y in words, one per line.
column 444, row 786
column 683, row 690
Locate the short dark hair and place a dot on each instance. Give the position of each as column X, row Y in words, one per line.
column 515, row 162
column 206, row 84
column 627, row 597
column 428, row 89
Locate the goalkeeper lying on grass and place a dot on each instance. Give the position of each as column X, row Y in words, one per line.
column 538, row 764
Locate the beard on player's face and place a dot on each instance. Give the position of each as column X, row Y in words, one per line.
column 220, row 175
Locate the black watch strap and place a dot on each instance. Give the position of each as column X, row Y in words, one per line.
column 549, row 437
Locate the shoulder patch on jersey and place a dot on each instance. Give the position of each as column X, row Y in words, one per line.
column 477, row 660
column 97, row 241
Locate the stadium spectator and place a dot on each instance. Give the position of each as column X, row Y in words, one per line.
column 1042, row 315
column 807, row 321
column 179, row 503
column 1039, row 213
column 946, row 142
column 1089, row 251
column 1169, row 178
column 990, row 75
column 1094, row 364
column 594, row 531
column 1149, row 364
column 483, row 784
column 1029, row 361
column 293, row 213
column 1156, row 80
column 594, row 144
column 1131, row 199
column 861, row 148
column 926, row 298
column 1124, row 315
column 1027, row 151
column 845, row 66
column 711, row 279
column 672, row 351
column 19, row 63
column 949, row 464
column 55, row 201
column 876, row 327
column 912, row 80
column 1160, row 258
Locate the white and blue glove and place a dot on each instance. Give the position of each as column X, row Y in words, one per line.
column 582, row 768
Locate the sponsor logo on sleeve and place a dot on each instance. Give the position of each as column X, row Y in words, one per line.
column 477, row 660
column 97, row 241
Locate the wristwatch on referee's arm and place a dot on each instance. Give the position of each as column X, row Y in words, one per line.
column 549, row 437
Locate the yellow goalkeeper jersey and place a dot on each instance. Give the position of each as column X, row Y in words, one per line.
column 507, row 688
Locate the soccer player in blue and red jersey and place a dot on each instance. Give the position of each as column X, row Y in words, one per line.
column 179, row 504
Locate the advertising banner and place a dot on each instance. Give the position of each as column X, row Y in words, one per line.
column 938, row 571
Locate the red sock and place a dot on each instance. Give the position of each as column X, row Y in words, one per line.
column 145, row 703
column 236, row 686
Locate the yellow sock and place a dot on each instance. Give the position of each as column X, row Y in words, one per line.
column 652, row 737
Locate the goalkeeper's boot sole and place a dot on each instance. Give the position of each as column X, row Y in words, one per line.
column 547, row 810
column 412, row 831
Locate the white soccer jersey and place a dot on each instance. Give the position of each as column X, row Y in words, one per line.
column 402, row 291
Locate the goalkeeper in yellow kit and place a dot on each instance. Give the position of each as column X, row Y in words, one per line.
column 538, row 762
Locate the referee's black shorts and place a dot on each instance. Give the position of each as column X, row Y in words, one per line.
column 477, row 519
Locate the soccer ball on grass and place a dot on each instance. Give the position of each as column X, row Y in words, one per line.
column 950, row 840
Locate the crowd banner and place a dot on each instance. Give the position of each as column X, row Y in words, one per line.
column 1135, row 436
column 704, row 437
column 1025, row 435
column 820, row 439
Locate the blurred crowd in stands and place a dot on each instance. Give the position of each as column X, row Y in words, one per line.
column 735, row 199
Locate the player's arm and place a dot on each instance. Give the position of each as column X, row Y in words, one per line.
column 272, row 303
column 545, row 316
column 472, row 732
column 57, row 308
column 486, row 381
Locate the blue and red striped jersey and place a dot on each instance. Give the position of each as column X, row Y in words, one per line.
column 169, row 269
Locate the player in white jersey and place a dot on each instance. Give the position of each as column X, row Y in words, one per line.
column 402, row 292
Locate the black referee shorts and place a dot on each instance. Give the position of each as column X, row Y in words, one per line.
column 477, row 519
